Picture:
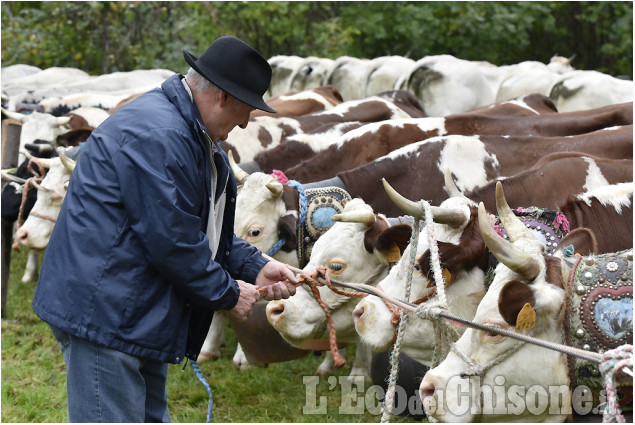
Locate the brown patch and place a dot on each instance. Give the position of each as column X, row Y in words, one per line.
column 553, row 274
column 512, row 298
column 74, row 137
column 265, row 137
column 287, row 231
column 372, row 234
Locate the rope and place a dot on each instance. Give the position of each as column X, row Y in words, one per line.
column 274, row 249
column 201, row 377
column 614, row 361
column 303, row 201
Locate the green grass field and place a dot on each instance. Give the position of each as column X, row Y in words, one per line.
column 34, row 379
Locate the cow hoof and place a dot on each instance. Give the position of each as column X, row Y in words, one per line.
column 29, row 278
column 358, row 377
column 205, row 356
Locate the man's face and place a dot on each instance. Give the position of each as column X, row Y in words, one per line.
column 222, row 112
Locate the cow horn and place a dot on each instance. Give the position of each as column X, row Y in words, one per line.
column 68, row 163
column 517, row 260
column 14, row 115
column 514, row 227
column 6, row 175
column 275, row 187
column 61, row 121
column 239, row 173
column 450, row 216
column 450, row 186
column 364, row 217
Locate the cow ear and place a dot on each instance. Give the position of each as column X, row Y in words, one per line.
column 512, row 298
column 583, row 241
column 286, row 231
column 395, row 236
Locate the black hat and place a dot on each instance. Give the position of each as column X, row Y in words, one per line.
column 235, row 67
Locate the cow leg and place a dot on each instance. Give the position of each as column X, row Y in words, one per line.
column 240, row 359
column 327, row 367
column 7, row 233
column 214, row 340
column 360, row 372
column 31, row 268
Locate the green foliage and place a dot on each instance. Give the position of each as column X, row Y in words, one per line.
column 102, row 37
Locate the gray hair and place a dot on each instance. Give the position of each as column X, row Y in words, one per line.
column 198, row 82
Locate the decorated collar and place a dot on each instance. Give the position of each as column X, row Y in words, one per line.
column 547, row 225
column 599, row 315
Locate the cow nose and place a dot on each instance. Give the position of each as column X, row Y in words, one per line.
column 22, row 236
column 426, row 389
column 358, row 313
column 275, row 310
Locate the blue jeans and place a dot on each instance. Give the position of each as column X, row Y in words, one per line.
column 106, row 385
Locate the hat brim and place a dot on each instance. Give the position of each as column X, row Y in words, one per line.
column 239, row 92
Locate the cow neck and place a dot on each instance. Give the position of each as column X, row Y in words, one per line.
column 599, row 288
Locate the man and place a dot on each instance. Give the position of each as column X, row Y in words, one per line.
column 143, row 251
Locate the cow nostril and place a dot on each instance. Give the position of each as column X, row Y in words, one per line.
column 427, row 389
column 358, row 313
column 275, row 310
column 22, row 236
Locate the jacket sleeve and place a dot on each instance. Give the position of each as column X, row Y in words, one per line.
column 161, row 193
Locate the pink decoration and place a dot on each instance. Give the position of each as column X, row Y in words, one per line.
column 279, row 175
column 561, row 220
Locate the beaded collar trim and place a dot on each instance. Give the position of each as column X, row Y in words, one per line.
column 599, row 314
column 322, row 205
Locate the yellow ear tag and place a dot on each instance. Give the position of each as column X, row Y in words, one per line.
column 447, row 277
column 394, row 254
column 526, row 318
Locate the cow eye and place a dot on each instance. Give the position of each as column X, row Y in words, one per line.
column 254, row 232
column 337, row 266
column 489, row 336
column 417, row 267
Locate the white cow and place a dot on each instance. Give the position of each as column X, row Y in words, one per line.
column 348, row 75
column 282, row 67
column 384, row 72
column 447, row 85
column 453, row 219
column 12, row 72
column 309, row 74
column 581, row 90
column 351, row 250
column 490, row 377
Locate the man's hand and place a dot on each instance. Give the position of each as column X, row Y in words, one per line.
column 248, row 297
column 280, row 278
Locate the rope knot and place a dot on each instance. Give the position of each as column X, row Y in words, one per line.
column 613, row 362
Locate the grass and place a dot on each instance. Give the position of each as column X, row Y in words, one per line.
column 34, row 379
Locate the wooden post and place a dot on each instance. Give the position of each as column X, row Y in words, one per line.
column 10, row 149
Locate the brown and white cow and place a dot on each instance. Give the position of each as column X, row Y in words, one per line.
column 267, row 132
column 294, row 104
column 281, row 68
column 417, row 170
column 365, row 144
column 490, row 377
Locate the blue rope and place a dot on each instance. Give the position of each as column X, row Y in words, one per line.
column 276, row 247
column 303, row 201
column 201, row 377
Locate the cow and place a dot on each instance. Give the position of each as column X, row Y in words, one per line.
column 383, row 73
column 491, row 377
column 310, row 73
column 446, row 85
column 352, row 251
column 12, row 72
column 294, row 104
column 36, row 230
column 281, row 68
column 532, row 77
column 363, row 145
column 267, row 132
column 349, row 75
column 474, row 161
column 575, row 173
column 46, row 78
column 582, row 90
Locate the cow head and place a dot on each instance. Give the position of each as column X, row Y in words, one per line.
column 491, row 377
column 36, row 230
column 462, row 252
column 354, row 249
column 38, row 126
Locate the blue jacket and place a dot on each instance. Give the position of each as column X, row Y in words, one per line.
column 128, row 265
